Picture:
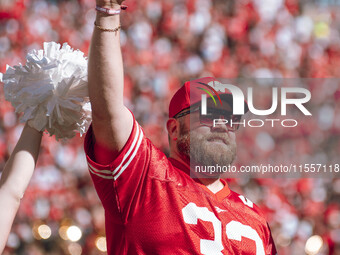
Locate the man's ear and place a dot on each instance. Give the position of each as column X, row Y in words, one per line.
column 172, row 126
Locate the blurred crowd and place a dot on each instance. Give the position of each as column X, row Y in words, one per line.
column 165, row 43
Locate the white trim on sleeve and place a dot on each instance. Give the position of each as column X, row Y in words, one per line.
column 129, row 155
column 94, row 171
column 132, row 156
column 130, row 149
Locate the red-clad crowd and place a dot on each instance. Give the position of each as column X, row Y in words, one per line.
column 165, row 43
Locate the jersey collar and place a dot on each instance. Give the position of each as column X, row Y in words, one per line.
column 219, row 196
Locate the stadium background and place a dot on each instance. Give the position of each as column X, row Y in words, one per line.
column 165, row 43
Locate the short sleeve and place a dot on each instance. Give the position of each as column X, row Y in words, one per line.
column 120, row 181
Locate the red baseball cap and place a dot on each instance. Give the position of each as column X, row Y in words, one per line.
column 191, row 93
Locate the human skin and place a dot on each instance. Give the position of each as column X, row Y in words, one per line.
column 15, row 178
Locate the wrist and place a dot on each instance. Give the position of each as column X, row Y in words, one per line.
column 103, row 12
column 107, row 11
column 105, row 20
column 29, row 129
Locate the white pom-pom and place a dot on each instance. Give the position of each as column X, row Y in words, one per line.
column 51, row 90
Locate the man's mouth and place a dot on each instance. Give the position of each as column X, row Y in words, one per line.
column 218, row 140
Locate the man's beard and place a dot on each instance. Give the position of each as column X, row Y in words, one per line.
column 199, row 150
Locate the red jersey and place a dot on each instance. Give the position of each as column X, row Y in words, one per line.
column 153, row 206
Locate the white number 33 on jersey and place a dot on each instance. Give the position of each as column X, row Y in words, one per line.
column 234, row 229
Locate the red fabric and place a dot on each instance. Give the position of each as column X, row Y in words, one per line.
column 190, row 94
column 187, row 95
column 152, row 206
column 101, row 154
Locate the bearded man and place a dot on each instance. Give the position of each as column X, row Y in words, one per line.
column 152, row 204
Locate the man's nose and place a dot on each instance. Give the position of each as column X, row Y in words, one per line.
column 220, row 125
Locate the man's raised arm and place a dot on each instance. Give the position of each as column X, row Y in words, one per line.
column 112, row 121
